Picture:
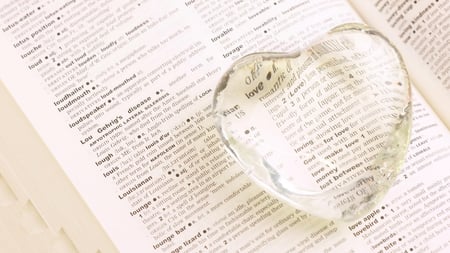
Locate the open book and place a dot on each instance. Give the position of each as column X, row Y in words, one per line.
column 121, row 93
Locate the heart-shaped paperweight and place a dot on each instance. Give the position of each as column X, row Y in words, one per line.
column 326, row 128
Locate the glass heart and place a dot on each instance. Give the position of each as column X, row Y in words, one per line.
column 326, row 128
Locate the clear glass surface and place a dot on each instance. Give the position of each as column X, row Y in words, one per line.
column 326, row 128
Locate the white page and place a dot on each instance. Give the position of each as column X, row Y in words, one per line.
column 183, row 191
column 419, row 29
column 423, row 27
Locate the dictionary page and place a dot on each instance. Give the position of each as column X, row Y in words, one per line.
column 121, row 93
column 420, row 30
